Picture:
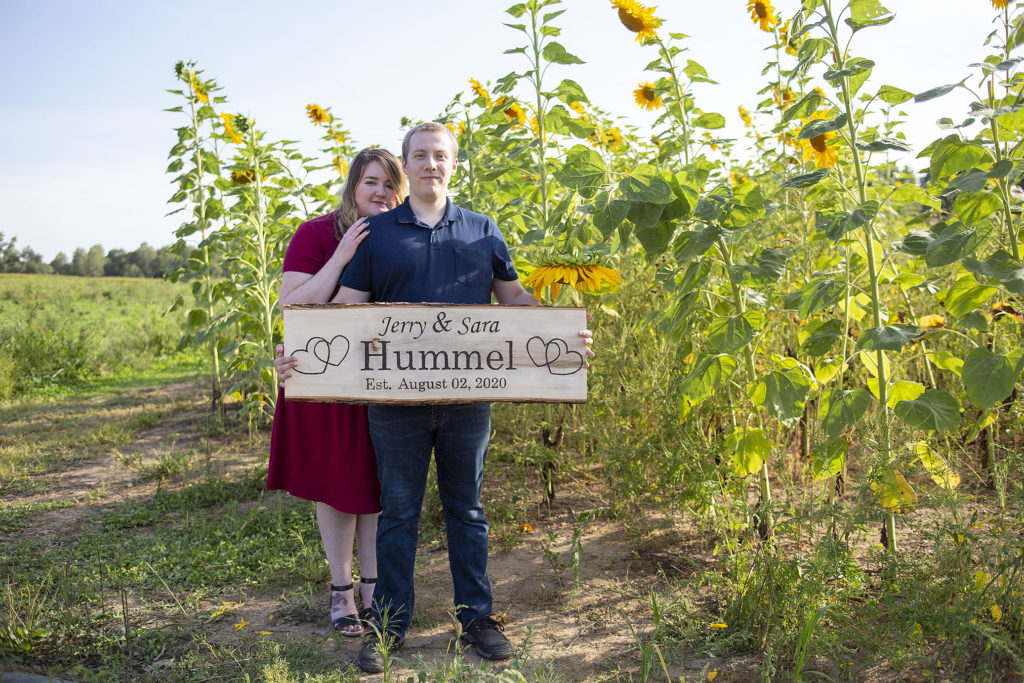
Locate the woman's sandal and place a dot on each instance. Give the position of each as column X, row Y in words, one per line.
column 350, row 625
column 366, row 614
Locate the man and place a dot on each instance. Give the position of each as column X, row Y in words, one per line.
column 429, row 250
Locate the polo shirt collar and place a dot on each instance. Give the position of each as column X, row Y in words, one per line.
column 404, row 213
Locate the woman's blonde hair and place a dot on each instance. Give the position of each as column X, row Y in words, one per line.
column 346, row 214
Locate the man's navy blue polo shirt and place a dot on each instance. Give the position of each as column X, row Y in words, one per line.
column 404, row 260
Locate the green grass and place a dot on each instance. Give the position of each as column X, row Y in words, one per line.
column 58, row 331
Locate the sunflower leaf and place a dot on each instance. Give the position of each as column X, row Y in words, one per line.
column 1002, row 268
column 821, row 126
column 645, row 184
column 864, row 13
column 611, row 216
column 988, row 377
column 819, row 336
column 936, row 466
column 949, row 247
column 883, row 144
column 893, row 95
column 707, row 376
column 570, row 91
column 934, row 410
column 841, row 408
column 692, row 244
column 783, row 391
column 749, row 449
column 820, row 293
column 584, row 170
column 728, row 334
column 806, row 179
column 855, row 66
column 804, row 107
column 709, row 120
column 556, row 54
column 971, row 207
column 892, row 490
column 965, row 295
column 827, row 459
column 887, row 337
column 935, row 92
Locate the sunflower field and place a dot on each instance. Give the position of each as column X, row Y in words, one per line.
column 812, row 351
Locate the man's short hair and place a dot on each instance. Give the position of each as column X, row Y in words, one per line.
column 430, row 127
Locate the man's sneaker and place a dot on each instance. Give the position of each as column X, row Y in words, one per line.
column 486, row 634
column 370, row 659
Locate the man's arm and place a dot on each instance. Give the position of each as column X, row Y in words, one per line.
column 347, row 295
column 511, row 293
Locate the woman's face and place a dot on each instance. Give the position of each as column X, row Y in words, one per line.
column 374, row 193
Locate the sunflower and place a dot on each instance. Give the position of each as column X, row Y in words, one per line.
column 243, row 178
column 817, row 148
column 479, row 91
column 317, row 115
column 762, row 12
column 999, row 4
column 198, row 88
column 535, row 127
column 340, row 165
column 583, row 277
column 745, row 116
column 737, row 178
column 229, row 128
column 515, row 114
column 784, row 39
column 613, row 138
column 638, row 19
column 577, row 107
column 783, row 97
column 1004, row 308
column 932, row 320
column 646, row 97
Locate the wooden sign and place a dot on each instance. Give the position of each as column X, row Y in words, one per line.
column 435, row 353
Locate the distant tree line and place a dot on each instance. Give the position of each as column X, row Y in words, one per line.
column 146, row 261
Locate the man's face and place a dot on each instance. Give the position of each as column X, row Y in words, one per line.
column 430, row 164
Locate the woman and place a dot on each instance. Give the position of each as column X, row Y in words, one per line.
column 322, row 451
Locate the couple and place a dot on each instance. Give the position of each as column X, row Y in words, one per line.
column 424, row 249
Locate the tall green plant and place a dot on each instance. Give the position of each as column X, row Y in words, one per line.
column 261, row 223
column 196, row 162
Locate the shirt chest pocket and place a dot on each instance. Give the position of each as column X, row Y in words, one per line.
column 472, row 267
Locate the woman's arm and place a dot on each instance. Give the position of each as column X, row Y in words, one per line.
column 303, row 288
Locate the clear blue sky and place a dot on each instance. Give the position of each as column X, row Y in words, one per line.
column 84, row 140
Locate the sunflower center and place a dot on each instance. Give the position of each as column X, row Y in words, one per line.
column 818, row 143
column 761, row 10
column 648, row 94
column 629, row 21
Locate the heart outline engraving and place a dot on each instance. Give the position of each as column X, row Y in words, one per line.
column 326, row 352
column 550, row 352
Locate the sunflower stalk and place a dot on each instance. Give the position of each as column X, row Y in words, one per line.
column 681, row 117
column 198, row 263
column 764, row 512
column 873, row 271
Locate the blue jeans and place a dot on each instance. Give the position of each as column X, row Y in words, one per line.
column 403, row 438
